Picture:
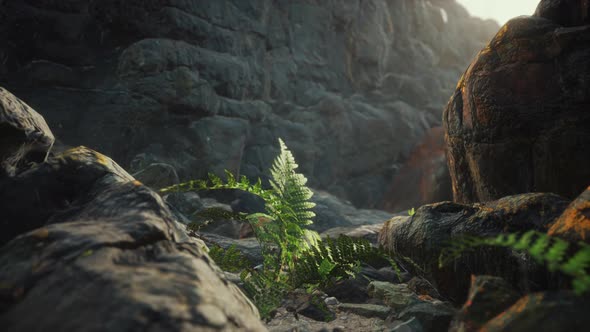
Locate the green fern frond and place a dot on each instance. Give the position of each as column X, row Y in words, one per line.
column 344, row 255
column 230, row 259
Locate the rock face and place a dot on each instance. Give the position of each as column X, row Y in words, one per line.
column 426, row 170
column 206, row 85
column 85, row 247
column 518, row 121
column 422, row 237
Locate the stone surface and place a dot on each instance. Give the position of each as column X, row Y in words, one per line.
column 396, row 296
column 86, row 247
column 423, row 236
column 24, row 135
column 209, row 85
column 106, row 254
column 507, row 136
column 488, row 296
column 543, row 312
column 574, row 223
column 157, row 176
column 433, row 317
column 565, row 12
column 366, row 309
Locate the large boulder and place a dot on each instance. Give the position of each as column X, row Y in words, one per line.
column 86, row 247
column 423, row 236
column 209, row 85
column 518, row 120
column 24, row 134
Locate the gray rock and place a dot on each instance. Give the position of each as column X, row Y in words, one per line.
column 128, row 264
column 24, row 134
column 366, row 309
column 157, row 176
column 396, row 296
column 433, row 317
column 351, row 87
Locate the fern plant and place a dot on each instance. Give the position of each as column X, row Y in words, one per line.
column 332, row 260
column 281, row 231
column 552, row 251
column 230, row 259
column 292, row 255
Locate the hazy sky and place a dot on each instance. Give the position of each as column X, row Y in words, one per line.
column 500, row 10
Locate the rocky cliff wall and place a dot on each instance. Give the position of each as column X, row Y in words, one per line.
column 351, row 86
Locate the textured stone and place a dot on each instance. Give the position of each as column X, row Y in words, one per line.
column 423, row 236
column 128, row 264
column 24, row 135
column 574, row 223
column 488, row 296
column 206, row 85
column 506, row 135
column 543, row 312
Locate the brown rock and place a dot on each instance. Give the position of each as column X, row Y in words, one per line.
column 574, row 223
column 543, row 312
column 565, row 12
column 488, row 296
column 518, row 121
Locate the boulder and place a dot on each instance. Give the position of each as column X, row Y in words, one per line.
column 506, row 135
column 543, row 312
column 574, row 223
column 127, row 262
column 423, row 236
column 157, row 176
column 24, row 135
column 86, row 247
column 433, row 317
column 488, row 297
column 565, row 12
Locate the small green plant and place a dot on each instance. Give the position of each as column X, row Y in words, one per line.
column 412, row 212
column 230, row 259
column 552, row 251
column 332, row 260
column 293, row 256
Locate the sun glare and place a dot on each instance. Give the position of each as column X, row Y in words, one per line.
column 500, row 10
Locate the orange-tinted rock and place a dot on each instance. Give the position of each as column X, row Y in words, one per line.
column 543, row 312
column 488, row 296
column 518, row 121
column 574, row 223
column 425, row 176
